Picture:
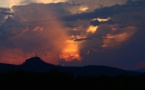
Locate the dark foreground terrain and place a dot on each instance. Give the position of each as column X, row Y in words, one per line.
column 35, row 74
column 53, row 80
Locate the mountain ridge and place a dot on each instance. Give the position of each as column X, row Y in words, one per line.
column 36, row 64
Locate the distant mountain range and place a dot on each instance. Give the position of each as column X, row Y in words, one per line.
column 36, row 64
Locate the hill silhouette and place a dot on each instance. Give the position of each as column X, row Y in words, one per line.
column 36, row 64
column 34, row 73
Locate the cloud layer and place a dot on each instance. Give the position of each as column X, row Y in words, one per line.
column 10, row 3
column 111, row 35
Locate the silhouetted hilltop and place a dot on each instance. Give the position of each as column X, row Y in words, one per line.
column 37, row 61
column 36, row 64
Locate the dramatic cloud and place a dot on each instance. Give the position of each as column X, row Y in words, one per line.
column 73, row 6
column 42, row 12
column 74, row 33
column 10, row 3
column 117, row 40
column 4, row 13
column 120, row 38
column 26, row 39
column 93, row 4
column 42, row 1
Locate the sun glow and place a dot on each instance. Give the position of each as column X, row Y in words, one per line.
column 10, row 3
column 103, row 19
column 50, row 1
column 70, row 51
column 92, row 29
column 83, row 8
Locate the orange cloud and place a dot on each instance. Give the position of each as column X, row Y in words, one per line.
column 92, row 29
column 70, row 51
column 116, row 40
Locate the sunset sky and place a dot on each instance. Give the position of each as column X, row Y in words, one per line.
column 74, row 32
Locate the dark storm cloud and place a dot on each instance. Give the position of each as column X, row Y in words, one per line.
column 4, row 12
column 106, row 12
column 124, row 33
column 75, row 6
column 93, row 4
column 41, row 12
